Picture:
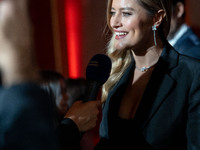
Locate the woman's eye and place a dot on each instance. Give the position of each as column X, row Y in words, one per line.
column 112, row 13
column 127, row 14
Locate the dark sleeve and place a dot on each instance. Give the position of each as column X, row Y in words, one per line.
column 26, row 120
column 193, row 121
column 69, row 135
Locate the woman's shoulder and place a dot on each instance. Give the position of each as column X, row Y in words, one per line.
column 181, row 66
column 188, row 67
column 182, row 58
column 189, row 61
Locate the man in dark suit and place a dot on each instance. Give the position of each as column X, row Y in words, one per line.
column 181, row 36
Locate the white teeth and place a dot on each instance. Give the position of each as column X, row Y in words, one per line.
column 120, row 33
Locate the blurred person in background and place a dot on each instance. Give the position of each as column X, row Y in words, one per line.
column 76, row 89
column 181, row 36
column 26, row 118
column 54, row 82
column 26, row 111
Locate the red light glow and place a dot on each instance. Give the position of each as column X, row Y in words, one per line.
column 73, row 36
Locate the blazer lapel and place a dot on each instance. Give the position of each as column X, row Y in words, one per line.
column 116, row 92
column 158, row 87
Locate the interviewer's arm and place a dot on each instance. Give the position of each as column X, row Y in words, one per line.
column 80, row 118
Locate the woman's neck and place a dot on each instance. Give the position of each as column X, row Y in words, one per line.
column 148, row 57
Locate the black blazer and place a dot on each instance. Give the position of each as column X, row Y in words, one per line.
column 168, row 117
column 189, row 44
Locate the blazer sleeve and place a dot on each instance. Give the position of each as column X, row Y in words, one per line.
column 193, row 123
column 69, row 135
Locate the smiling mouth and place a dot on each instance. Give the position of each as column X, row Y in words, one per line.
column 120, row 35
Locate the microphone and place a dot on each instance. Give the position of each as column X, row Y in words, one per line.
column 97, row 73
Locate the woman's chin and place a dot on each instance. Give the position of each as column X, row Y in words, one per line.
column 120, row 46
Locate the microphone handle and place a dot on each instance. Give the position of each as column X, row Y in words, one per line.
column 92, row 90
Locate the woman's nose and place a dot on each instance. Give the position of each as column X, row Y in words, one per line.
column 115, row 21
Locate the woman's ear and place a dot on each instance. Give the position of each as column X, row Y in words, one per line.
column 158, row 17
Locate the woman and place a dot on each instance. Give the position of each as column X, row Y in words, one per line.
column 54, row 83
column 152, row 98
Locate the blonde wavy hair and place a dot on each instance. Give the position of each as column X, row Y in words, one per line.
column 122, row 59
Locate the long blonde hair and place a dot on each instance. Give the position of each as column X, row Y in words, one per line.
column 122, row 59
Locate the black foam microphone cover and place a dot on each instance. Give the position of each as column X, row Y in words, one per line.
column 97, row 73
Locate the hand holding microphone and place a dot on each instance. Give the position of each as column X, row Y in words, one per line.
column 85, row 113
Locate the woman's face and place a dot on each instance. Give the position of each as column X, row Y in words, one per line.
column 131, row 24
